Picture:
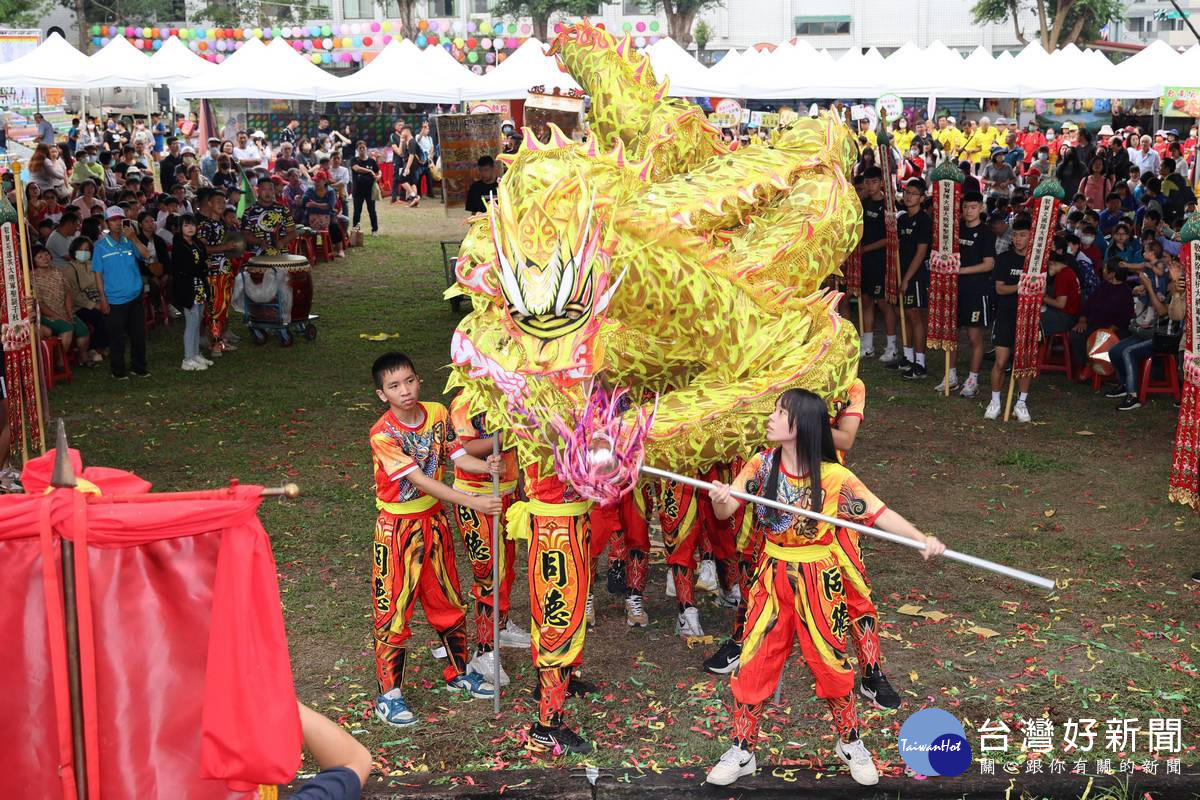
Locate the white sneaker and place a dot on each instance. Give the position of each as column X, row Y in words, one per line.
column 858, row 758
column 590, row 613
column 513, row 635
column 941, row 387
column 191, row 366
column 485, row 665
column 201, row 362
column 970, row 388
column 688, row 623
column 993, row 410
column 199, row 357
column 889, row 354
column 439, row 652
column 730, row 599
column 670, row 581
column 635, row 612
column 1021, row 412
column 735, row 763
column 706, row 576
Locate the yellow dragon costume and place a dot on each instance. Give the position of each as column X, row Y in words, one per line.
column 662, row 259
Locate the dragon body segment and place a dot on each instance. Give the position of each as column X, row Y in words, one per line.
column 656, row 257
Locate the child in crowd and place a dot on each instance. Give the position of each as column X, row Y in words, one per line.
column 414, row 550
column 800, row 587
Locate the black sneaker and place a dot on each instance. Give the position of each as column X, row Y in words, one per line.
column 576, row 687
column 725, row 660
column 900, row 363
column 1116, row 392
column 1196, row 577
column 120, row 377
column 875, row 687
column 616, row 578
column 544, row 739
column 142, row 374
column 914, row 372
column 1130, row 403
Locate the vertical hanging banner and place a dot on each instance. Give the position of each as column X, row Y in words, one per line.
column 945, row 260
column 1185, row 461
column 17, row 337
column 1032, row 286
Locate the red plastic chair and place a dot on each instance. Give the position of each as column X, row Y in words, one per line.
column 1169, row 384
column 56, row 366
column 1047, row 362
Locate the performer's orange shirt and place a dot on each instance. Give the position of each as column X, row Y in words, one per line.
column 548, row 488
column 398, row 449
column 855, row 405
column 844, row 496
column 467, row 429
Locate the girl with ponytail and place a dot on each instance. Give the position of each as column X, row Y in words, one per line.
column 799, row 591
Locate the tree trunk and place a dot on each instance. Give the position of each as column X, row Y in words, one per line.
column 541, row 23
column 408, row 17
column 82, row 23
column 679, row 26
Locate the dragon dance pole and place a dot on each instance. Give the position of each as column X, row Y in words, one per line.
column 953, row 555
column 496, row 543
column 38, row 429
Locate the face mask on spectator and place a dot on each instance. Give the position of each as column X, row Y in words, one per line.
column 1050, row 136
column 903, row 124
column 83, row 255
column 1087, row 240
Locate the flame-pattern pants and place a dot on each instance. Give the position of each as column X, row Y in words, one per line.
column 622, row 528
column 864, row 617
column 413, row 559
column 476, row 533
column 216, row 311
column 679, row 516
column 560, row 577
column 803, row 602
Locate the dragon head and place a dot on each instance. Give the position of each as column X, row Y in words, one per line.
column 554, row 274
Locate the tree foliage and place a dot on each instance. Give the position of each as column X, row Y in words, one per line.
column 540, row 11
column 1059, row 22
column 680, row 16
column 23, row 13
column 702, row 33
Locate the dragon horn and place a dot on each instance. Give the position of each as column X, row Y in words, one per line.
column 663, row 87
column 530, row 140
column 624, row 45
column 558, row 138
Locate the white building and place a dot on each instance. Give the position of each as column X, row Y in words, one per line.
column 835, row 25
column 1147, row 20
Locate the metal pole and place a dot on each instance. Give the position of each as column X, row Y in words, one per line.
column 975, row 561
column 63, row 478
column 496, row 541
column 1186, row 20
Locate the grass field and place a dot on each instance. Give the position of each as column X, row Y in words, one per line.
column 1077, row 496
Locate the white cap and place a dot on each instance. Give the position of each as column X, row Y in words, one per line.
column 951, row 120
column 114, row 212
column 258, row 135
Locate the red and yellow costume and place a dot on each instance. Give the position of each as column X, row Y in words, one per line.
column 623, row 528
column 679, row 516
column 799, row 592
column 220, row 276
column 476, row 529
column 413, row 557
column 555, row 523
column 864, row 617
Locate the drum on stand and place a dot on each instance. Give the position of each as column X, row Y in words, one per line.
column 279, row 293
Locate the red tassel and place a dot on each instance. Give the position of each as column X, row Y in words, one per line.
column 852, row 270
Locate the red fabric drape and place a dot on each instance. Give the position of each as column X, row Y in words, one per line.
column 186, row 680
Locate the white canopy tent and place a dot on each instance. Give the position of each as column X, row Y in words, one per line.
column 174, row 63
column 440, row 66
column 118, row 63
column 53, row 64
column 258, row 71
column 527, row 67
column 389, row 77
column 687, row 76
